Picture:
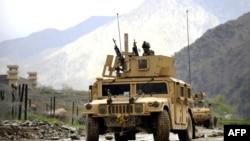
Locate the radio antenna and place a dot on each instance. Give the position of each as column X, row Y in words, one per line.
column 119, row 32
column 188, row 50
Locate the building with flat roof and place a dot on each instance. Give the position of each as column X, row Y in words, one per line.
column 12, row 75
column 12, row 78
column 32, row 78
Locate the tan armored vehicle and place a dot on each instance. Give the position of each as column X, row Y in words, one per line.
column 139, row 94
column 201, row 111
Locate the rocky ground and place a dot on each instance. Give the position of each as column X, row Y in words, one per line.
column 37, row 130
column 41, row 130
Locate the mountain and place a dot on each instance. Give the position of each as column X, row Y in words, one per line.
column 19, row 50
column 161, row 23
column 225, row 10
column 75, row 56
column 220, row 63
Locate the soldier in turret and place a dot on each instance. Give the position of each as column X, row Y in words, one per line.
column 146, row 49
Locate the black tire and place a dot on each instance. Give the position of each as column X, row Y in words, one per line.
column 215, row 121
column 128, row 136
column 120, row 138
column 211, row 123
column 208, row 123
column 92, row 129
column 162, row 127
column 188, row 134
column 131, row 136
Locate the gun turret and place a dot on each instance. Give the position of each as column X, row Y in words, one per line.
column 135, row 51
column 118, row 53
column 130, row 64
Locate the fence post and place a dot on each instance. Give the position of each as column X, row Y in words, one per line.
column 73, row 105
column 51, row 107
column 54, row 106
column 13, row 91
column 29, row 102
column 77, row 111
column 2, row 94
column 25, row 102
column 20, row 92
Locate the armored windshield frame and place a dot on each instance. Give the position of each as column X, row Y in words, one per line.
column 153, row 88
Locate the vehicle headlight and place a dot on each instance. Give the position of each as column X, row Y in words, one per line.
column 102, row 109
column 156, row 104
column 88, row 106
column 138, row 108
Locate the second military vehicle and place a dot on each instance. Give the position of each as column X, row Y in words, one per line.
column 201, row 111
column 139, row 94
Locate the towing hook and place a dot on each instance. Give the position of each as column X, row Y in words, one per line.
column 131, row 100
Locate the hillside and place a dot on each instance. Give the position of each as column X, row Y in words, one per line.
column 225, row 10
column 162, row 23
column 220, row 63
column 21, row 49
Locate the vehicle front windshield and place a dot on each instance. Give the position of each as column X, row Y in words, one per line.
column 200, row 104
column 124, row 89
column 116, row 89
column 152, row 88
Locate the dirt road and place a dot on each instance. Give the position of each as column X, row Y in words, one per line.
column 202, row 134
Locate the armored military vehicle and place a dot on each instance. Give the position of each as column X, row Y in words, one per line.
column 139, row 94
column 201, row 111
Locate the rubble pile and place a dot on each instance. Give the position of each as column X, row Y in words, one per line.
column 17, row 130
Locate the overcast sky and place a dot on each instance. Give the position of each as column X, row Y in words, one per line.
column 20, row 18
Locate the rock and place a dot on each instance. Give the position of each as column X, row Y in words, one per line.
column 74, row 136
column 35, row 130
column 55, row 138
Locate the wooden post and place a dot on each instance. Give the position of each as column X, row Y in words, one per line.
column 25, row 102
column 29, row 103
column 2, row 94
column 13, row 91
column 51, row 107
column 54, row 106
column 21, row 91
column 77, row 111
column 73, row 105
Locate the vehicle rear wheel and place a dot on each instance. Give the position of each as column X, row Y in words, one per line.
column 162, row 127
column 187, row 134
column 208, row 123
column 92, row 129
column 211, row 125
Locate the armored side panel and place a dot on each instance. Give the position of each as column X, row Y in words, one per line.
column 141, row 66
column 149, row 66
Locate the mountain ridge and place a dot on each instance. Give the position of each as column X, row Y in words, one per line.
column 220, row 63
column 22, row 48
column 82, row 61
column 162, row 23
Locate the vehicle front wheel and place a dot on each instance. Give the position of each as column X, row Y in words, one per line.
column 162, row 127
column 187, row 134
column 92, row 129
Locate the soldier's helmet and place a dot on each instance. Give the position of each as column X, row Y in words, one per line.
column 145, row 45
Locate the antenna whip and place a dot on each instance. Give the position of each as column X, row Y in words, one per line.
column 188, row 50
column 119, row 32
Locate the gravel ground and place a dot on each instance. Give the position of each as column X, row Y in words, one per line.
column 203, row 134
column 44, row 131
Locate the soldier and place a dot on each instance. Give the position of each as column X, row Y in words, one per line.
column 146, row 49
